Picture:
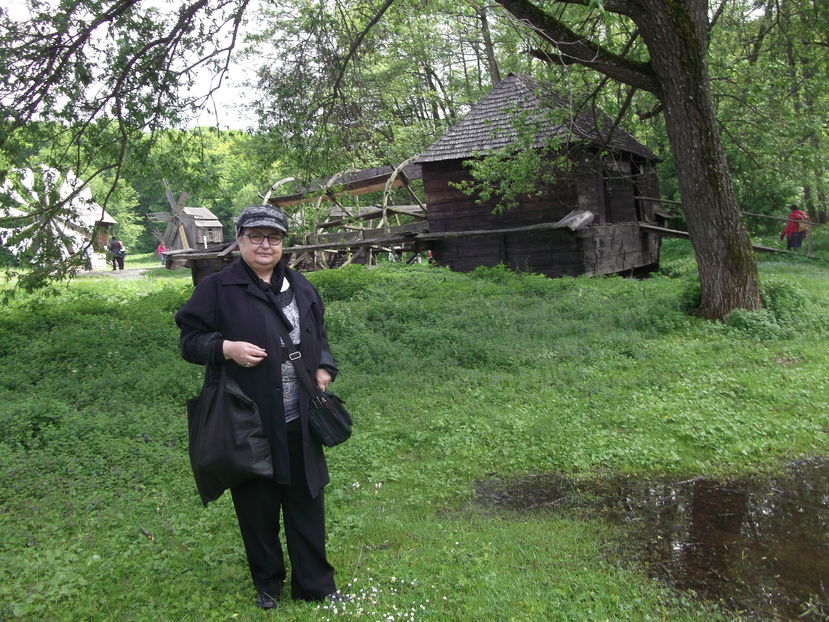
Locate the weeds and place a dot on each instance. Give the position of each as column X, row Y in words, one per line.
column 449, row 376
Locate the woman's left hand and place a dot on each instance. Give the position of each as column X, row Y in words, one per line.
column 323, row 379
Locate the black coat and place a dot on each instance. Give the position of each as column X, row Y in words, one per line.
column 229, row 305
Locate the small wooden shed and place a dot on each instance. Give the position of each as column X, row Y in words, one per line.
column 585, row 222
column 191, row 228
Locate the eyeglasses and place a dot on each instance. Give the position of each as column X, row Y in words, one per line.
column 259, row 238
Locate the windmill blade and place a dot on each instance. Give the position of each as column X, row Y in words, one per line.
column 169, row 193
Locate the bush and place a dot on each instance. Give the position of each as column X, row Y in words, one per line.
column 761, row 324
column 784, row 300
column 787, row 310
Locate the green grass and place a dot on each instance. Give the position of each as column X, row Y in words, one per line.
column 450, row 377
column 142, row 260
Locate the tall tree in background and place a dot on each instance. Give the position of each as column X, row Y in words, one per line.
column 329, row 104
column 805, row 30
column 770, row 78
column 675, row 71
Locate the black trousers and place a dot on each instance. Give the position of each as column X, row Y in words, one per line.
column 795, row 240
column 258, row 502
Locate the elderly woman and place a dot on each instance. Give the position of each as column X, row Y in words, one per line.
column 231, row 320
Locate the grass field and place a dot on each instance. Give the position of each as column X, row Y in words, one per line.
column 451, row 378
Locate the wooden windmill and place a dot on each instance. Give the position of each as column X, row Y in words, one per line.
column 175, row 227
column 187, row 227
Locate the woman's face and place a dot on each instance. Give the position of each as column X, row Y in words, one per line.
column 261, row 257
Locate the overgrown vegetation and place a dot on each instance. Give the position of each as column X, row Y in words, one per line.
column 450, row 377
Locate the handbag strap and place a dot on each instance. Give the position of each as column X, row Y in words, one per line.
column 215, row 374
column 294, row 355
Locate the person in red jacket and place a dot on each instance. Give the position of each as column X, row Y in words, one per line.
column 795, row 229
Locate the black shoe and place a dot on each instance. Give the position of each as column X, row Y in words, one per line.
column 265, row 601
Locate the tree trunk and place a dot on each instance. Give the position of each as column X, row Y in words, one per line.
column 494, row 73
column 816, row 206
column 676, row 36
column 431, row 88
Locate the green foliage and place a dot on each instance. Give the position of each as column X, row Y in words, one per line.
column 676, row 259
column 788, row 310
column 768, row 74
column 528, row 167
column 449, row 376
column 787, row 302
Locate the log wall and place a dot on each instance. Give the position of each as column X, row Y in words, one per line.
column 449, row 209
column 614, row 243
column 623, row 247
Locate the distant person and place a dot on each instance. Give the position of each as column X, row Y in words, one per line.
column 117, row 251
column 161, row 250
column 795, row 229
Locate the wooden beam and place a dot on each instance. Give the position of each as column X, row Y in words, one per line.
column 412, row 237
column 656, row 200
column 371, row 211
column 684, row 234
column 384, row 240
column 353, row 182
column 674, row 233
column 185, row 243
column 545, row 226
column 427, row 237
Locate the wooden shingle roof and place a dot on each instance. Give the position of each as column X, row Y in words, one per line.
column 516, row 100
column 202, row 216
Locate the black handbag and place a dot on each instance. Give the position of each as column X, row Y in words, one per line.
column 329, row 421
column 227, row 444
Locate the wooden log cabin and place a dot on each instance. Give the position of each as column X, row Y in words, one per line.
column 596, row 201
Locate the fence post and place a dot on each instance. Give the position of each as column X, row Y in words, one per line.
column 809, row 239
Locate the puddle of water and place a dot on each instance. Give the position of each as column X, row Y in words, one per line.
column 761, row 546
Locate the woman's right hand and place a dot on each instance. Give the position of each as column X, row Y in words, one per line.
column 243, row 353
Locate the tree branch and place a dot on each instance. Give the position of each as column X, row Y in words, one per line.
column 717, row 15
column 356, row 44
column 649, row 114
column 576, row 49
column 620, row 7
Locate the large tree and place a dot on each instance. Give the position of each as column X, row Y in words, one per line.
column 676, row 35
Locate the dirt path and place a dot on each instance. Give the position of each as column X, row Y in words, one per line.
column 127, row 273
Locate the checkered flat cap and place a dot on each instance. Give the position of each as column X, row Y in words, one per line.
column 262, row 216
